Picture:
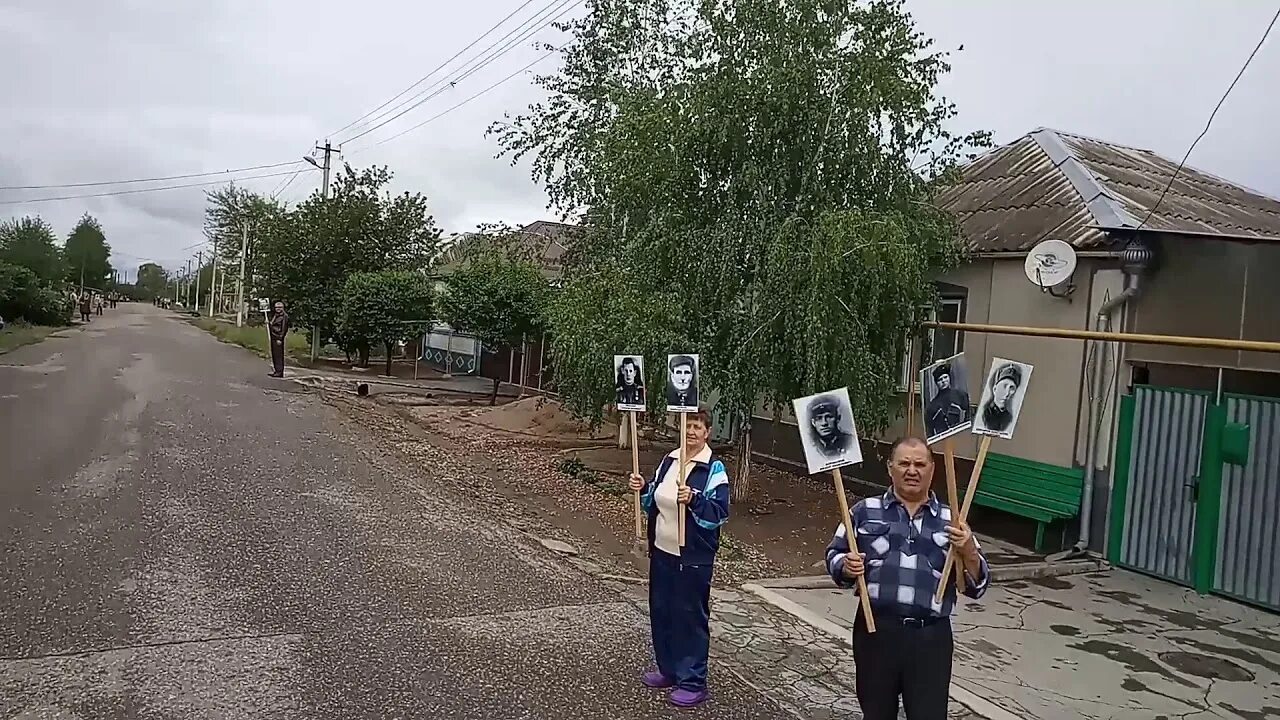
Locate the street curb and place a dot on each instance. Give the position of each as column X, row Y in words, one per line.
column 1018, row 571
column 961, row 694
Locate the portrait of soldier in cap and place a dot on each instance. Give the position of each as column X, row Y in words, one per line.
column 827, row 432
column 628, row 380
column 1002, row 397
column 944, row 393
column 682, row 383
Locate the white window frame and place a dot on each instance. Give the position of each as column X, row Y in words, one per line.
column 931, row 315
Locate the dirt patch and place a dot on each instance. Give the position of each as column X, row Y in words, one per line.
column 548, row 470
column 540, row 417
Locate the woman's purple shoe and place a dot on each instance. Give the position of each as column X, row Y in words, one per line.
column 689, row 698
column 656, row 680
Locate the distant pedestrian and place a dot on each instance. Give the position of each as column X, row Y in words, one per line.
column 680, row 577
column 902, row 542
column 98, row 303
column 86, row 307
column 278, row 329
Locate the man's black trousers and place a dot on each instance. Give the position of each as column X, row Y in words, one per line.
column 911, row 661
column 277, row 356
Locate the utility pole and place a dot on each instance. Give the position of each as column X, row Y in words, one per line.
column 199, row 265
column 244, row 248
column 324, row 195
column 213, row 280
column 186, row 296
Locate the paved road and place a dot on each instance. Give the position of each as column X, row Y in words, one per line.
column 183, row 537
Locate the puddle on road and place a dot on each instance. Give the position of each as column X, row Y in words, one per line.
column 1067, row 630
column 1051, row 582
column 1130, row 658
column 1206, row 666
column 1241, row 654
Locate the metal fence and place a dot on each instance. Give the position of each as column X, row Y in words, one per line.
column 1248, row 553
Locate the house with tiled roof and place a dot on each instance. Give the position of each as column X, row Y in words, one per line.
column 1195, row 256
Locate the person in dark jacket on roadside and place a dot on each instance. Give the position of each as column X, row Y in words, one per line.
column 278, row 329
column 680, row 577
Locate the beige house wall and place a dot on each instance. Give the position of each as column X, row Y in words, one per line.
column 1207, row 288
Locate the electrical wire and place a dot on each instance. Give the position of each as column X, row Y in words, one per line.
column 139, row 190
column 525, row 28
column 437, row 69
column 285, row 185
column 476, row 64
column 154, row 179
column 1212, row 115
column 455, row 107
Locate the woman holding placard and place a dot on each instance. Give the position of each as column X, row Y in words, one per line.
column 680, row 576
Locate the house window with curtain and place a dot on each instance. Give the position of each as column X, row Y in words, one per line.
column 934, row 343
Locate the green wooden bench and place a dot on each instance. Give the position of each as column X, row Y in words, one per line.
column 1030, row 489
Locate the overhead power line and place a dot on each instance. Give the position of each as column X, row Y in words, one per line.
column 139, row 190
column 131, row 181
column 486, row 57
column 455, row 107
column 437, row 69
column 1212, row 115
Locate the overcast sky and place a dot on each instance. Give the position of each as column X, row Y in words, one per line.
column 104, row 90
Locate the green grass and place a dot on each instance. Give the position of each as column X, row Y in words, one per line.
column 17, row 334
column 255, row 338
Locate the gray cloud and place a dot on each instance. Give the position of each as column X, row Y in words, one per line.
column 152, row 87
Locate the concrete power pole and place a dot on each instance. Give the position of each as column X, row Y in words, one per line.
column 324, row 195
column 213, row 280
column 199, row 265
column 244, row 248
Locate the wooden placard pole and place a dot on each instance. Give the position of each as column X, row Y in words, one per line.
column 635, row 468
column 969, row 492
column 680, row 476
column 953, row 501
column 849, row 535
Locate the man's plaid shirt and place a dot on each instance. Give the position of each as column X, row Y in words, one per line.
column 903, row 557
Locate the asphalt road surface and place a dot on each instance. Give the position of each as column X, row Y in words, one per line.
column 183, row 537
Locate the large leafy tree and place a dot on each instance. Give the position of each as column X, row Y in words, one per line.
column 152, row 281
column 306, row 255
column 496, row 296
column 87, row 254
column 29, row 242
column 755, row 179
column 384, row 308
column 236, row 217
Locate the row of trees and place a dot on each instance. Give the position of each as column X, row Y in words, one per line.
column 753, row 180
column 352, row 267
column 35, row 269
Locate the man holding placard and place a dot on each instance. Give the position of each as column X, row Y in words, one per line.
column 903, row 537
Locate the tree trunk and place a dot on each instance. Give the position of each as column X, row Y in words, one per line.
column 624, row 420
column 364, row 356
column 493, row 399
column 742, row 483
column 388, row 359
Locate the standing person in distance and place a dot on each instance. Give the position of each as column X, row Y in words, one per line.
column 903, row 537
column 680, row 578
column 278, row 329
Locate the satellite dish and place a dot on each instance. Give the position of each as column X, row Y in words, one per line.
column 1051, row 264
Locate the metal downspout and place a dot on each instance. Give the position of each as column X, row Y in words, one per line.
column 1098, row 387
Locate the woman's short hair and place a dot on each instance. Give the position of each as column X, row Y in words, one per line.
column 702, row 415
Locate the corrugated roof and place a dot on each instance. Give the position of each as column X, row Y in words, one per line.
column 1051, row 185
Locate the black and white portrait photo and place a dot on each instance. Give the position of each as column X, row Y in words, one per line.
column 944, row 393
column 827, row 432
column 1002, row 396
column 682, row 383
column 628, row 374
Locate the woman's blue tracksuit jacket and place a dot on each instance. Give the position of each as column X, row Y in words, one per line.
column 680, row 586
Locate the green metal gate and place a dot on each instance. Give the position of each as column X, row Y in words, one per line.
column 1190, row 502
column 1160, row 432
column 1247, row 556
